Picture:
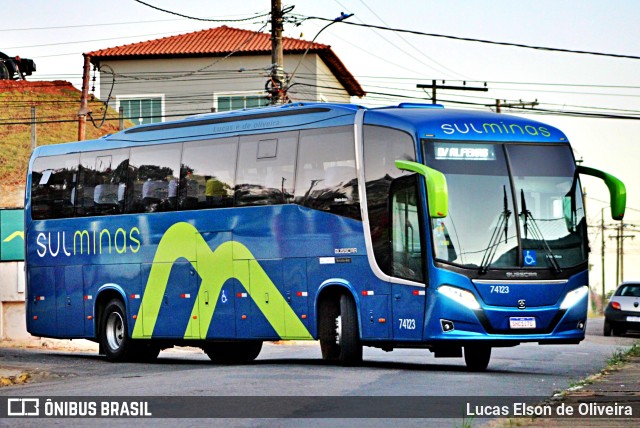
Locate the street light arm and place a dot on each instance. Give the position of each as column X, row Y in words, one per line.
column 340, row 18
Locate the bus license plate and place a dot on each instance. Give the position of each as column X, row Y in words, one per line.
column 522, row 322
column 633, row 319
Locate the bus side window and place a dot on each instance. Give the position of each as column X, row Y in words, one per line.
column 207, row 174
column 326, row 173
column 266, row 167
column 102, row 182
column 53, row 186
column 154, row 172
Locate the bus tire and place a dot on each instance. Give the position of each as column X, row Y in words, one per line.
column 328, row 313
column 606, row 330
column 477, row 357
column 233, row 352
column 339, row 333
column 114, row 333
column 348, row 337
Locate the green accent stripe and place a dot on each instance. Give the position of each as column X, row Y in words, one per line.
column 182, row 240
column 13, row 236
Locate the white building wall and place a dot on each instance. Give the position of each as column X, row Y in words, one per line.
column 12, row 297
column 194, row 81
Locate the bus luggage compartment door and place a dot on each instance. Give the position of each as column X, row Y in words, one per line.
column 41, row 304
column 178, row 300
column 70, row 301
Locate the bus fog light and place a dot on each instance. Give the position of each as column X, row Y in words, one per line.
column 574, row 296
column 459, row 295
column 447, row 325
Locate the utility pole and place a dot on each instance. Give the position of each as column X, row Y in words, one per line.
column 602, row 256
column 434, row 86
column 520, row 103
column 84, row 99
column 620, row 236
column 277, row 54
column 34, row 138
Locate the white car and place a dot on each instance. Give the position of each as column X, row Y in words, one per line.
column 623, row 311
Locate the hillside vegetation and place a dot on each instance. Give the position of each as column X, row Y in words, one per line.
column 57, row 104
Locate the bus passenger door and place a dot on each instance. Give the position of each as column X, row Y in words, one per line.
column 407, row 259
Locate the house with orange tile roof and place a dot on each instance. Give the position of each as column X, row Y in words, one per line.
column 218, row 69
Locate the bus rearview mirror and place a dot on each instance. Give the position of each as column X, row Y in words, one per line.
column 617, row 190
column 437, row 192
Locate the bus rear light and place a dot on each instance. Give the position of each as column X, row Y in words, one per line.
column 367, row 293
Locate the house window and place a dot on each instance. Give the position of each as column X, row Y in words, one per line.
column 228, row 102
column 142, row 110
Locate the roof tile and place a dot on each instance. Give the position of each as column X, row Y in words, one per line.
column 223, row 41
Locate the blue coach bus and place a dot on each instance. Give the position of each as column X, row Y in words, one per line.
column 411, row 226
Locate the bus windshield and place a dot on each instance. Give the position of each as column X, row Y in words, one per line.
column 510, row 206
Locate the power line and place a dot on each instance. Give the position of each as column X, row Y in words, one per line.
column 491, row 42
column 198, row 18
column 111, row 24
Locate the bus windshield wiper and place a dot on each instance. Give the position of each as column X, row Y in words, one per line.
column 501, row 226
column 536, row 233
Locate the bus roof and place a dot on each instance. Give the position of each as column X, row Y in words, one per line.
column 422, row 120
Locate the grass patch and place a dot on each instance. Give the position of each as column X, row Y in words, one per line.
column 57, row 104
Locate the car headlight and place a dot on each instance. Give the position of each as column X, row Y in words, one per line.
column 459, row 295
column 574, row 296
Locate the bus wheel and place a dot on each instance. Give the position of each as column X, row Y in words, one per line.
column 606, row 331
column 233, row 352
column 328, row 314
column 477, row 357
column 348, row 333
column 114, row 335
column 339, row 332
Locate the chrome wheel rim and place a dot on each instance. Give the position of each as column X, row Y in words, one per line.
column 115, row 330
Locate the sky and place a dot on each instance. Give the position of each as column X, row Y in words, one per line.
column 56, row 33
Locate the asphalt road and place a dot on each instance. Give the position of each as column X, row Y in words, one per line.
column 296, row 370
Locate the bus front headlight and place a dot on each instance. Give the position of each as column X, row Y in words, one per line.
column 574, row 296
column 459, row 295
